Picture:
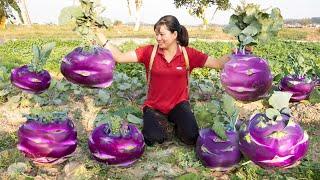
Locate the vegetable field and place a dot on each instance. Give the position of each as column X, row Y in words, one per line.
column 171, row 160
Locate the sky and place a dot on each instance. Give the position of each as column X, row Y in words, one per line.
column 47, row 11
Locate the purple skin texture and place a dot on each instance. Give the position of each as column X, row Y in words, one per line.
column 30, row 82
column 246, row 77
column 122, row 150
column 279, row 144
column 299, row 86
column 215, row 153
column 91, row 69
column 47, row 143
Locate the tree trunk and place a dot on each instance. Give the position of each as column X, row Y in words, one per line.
column 3, row 22
column 137, row 23
column 25, row 13
column 204, row 23
column 129, row 7
column 214, row 13
column 137, row 15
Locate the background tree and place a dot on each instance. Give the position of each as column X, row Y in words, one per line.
column 134, row 8
column 24, row 12
column 198, row 7
column 6, row 11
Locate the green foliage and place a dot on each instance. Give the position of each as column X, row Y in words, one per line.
column 46, row 115
column 85, row 17
column 198, row 7
column 298, row 65
column 16, row 53
column 116, row 124
column 6, row 6
column 130, row 68
column 40, row 56
column 130, row 89
column 6, row 89
column 118, row 96
column 186, row 158
column 277, row 53
column 69, row 14
column 250, row 24
column 59, row 93
column 220, row 114
column 280, row 102
column 8, row 141
column 315, row 96
column 189, row 176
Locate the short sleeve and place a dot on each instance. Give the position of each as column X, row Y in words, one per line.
column 197, row 58
column 143, row 53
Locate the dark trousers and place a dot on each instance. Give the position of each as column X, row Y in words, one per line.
column 185, row 125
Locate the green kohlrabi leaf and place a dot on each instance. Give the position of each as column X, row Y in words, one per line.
column 280, row 100
column 40, row 56
column 36, row 54
column 272, row 113
column 103, row 96
column 228, row 104
column 46, row 51
column 134, row 119
column 232, row 29
column 69, row 14
column 219, row 129
column 254, row 23
column 252, row 29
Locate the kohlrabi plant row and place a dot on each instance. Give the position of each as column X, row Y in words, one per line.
column 50, row 140
column 271, row 139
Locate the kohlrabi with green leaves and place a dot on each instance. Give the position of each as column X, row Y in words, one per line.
column 247, row 77
column 217, row 145
column 115, row 142
column 88, row 65
column 298, row 80
column 274, row 139
column 48, row 138
column 33, row 78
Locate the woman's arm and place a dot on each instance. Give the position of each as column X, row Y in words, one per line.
column 216, row 63
column 127, row 57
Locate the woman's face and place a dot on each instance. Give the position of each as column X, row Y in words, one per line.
column 164, row 37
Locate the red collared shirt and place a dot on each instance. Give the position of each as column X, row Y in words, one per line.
column 168, row 84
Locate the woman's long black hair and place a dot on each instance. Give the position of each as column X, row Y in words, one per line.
column 173, row 24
